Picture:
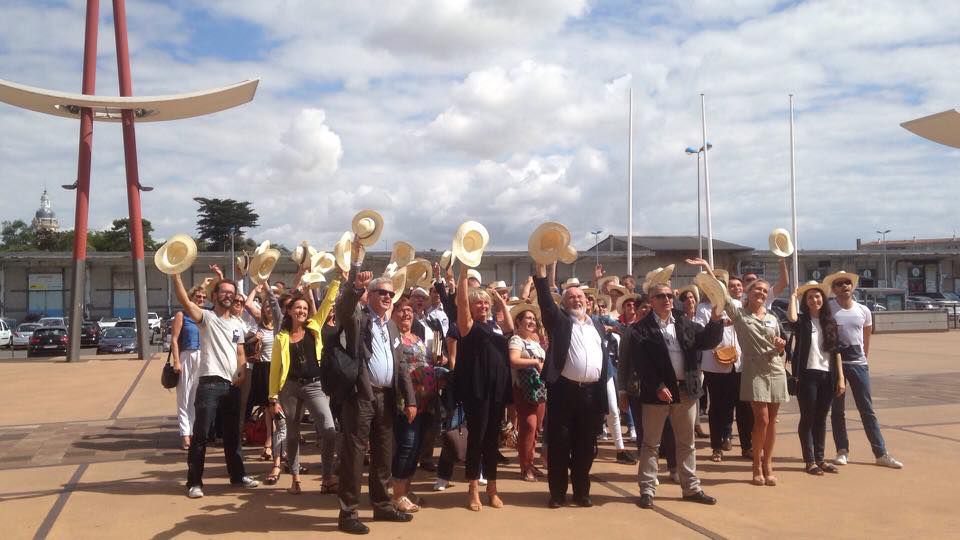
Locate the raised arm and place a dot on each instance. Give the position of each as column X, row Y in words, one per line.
column 251, row 304
column 527, row 287
column 501, row 306
column 782, row 281
column 328, row 302
column 549, row 311
column 464, row 319
column 191, row 309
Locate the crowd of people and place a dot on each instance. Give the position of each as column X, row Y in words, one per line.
column 391, row 367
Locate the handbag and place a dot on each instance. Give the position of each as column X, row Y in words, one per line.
column 456, row 440
column 725, row 355
column 255, row 428
column 531, row 385
column 793, row 383
column 168, row 377
column 339, row 370
column 251, row 347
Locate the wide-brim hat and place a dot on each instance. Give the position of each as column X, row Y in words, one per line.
column 692, row 288
column 549, row 242
column 607, row 279
column 568, row 255
column 588, row 291
column 657, row 276
column 469, row 242
column 303, row 254
column 403, row 253
column 399, row 279
column 262, row 248
column 606, row 300
column 367, row 225
column 780, row 243
column 342, row 250
column 475, row 274
column 447, row 260
column 176, row 255
column 243, row 263
column 499, row 285
column 722, row 275
column 619, row 289
column 813, row 284
column 519, row 308
column 322, row 262
column 715, row 291
column 571, row 282
column 420, row 273
column 261, row 265
column 626, row 298
column 828, row 281
column 313, row 280
column 514, row 300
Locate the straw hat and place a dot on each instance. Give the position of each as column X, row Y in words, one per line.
column 722, row 275
column 420, row 273
column 780, row 243
column 520, row 307
column 447, row 260
column 549, row 243
column 322, row 262
column 367, row 225
column 176, row 255
column 712, row 289
column 313, row 280
column 342, row 250
column 658, row 275
column 828, row 281
column 619, row 289
column 243, row 263
column 399, row 279
column 570, row 282
column 607, row 279
column 605, row 300
column 801, row 290
column 471, row 273
column 588, row 290
column 692, row 288
column 469, row 242
column 403, row 253
column 302, row 254
column 514, row 300
column 499, row 286
column 262, row 263
column 625, row 298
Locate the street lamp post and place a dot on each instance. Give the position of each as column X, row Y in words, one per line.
column 596, row 243
column 883, row 245
column 690, row 151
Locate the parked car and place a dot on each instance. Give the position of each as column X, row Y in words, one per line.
column 921, row 303
column 48, row 341
column 90, row 333
column 21, row 336
column 126, row 323
column 118, row 339
column 55, row 321
column 153, row 320
column 107, row 322
column 11, row 323
column 6, row 334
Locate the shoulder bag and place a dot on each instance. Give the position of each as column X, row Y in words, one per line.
column 168, row 377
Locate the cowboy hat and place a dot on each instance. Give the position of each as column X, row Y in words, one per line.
column 419, row 291
column 402, row 254
column 626, row 298
column 471, row 273
column 262, row 263
column 568, row 255
column 447, row 260
column 176, row 255
column 802, row 290
column 469, row 242
column 499, row 286
column 302, row 254
column 243, row 263
column 571, row 282
column 588, row 290
column 514, row 300
column 605, row 300
column 390, row 269
column 780, row 243
column 367, row 225
column 313, row 280
column 658, row 276
column 549, row 243
column 615, row 280
column 715, row 292
column 722, row 275
column 619, row 289
column 842, row 274
column 399, row 279
column 692, row 288
column 342, row 250
column 519, row 308
column 420, row 273
column 322, row 262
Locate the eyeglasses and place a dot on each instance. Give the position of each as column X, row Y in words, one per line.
column 383, row 292
column 662, row 296
column 226, row 293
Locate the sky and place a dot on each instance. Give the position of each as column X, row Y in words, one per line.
column 507, row 112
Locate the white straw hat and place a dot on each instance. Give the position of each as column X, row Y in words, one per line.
column 469, row 242
column 549, row 243
column 367, row 225
column 780, row 243
column 342, row 250
column 176, row 254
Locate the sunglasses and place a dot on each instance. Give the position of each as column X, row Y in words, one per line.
column 383, row 292
column 842, row 282
column 662, row 296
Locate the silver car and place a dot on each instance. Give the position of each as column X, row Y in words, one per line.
column 21, row 336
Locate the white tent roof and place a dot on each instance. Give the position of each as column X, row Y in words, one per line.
column 146, row 108
column 943, row 127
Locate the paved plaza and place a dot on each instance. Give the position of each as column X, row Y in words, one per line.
column 90, row 450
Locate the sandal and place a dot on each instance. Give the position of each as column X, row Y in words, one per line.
column 528, row 475
column 404, row 504
column 295, row 488
column 273, row 477
column 330, row 485
column 717, row 456
column 266, row 455
column 758, row 479
column 828, row 467
column 813, row 469
column 493, row 500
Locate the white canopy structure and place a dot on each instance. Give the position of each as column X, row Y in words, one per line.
column 943, row 127
column 146, row 108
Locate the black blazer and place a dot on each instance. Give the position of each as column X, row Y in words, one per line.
column 646, row 354
column 558, row 325
column 357, row 321
column 798, row 348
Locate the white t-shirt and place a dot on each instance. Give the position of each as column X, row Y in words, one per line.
column 850, row 323
column 816, row 360
column 219, row 338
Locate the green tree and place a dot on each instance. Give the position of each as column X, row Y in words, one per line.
column 17, row 235
column 117, row 238
column 221, row 218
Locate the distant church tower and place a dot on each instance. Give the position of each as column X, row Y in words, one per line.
column 44, row 219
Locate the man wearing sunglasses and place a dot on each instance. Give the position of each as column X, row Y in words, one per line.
column 855, row 324
column 664, row 348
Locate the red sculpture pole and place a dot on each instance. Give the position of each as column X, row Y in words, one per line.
column 133, row 177
column 83, row 181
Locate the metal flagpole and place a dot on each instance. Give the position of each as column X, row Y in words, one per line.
column 706, row 179
column 793, row 203
column 630, row 190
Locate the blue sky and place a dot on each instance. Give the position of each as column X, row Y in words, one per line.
column 508, row 112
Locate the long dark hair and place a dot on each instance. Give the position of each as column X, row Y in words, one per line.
column 287, row 319
column 827, row 323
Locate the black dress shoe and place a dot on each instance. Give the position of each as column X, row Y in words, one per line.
column 352, row 526
column 646, row 501
column 428, row 466
column 555, row 502
column 700, row 497
column 391, row 514
column 502, row 459
column 626, row 457
column 584, row 501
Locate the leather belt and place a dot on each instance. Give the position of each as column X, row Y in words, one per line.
column 379, row 389
column 307, row 380
column 578, row 383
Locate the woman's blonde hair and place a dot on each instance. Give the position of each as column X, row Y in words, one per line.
column 194, row 290
column 476, row 294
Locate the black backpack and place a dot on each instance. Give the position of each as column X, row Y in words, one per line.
column 339, row 369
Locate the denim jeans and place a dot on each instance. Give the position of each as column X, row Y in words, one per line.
column 409, row 438
column 858, row 382
column 215, row 397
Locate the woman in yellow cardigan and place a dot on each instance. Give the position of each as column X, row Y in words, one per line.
column 295, row 382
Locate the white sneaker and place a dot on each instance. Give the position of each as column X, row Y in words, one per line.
column 887, row 460
column 632, row 434
column 195, row 492
column 482, row 481
column 841, row 458
column 441, row 484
